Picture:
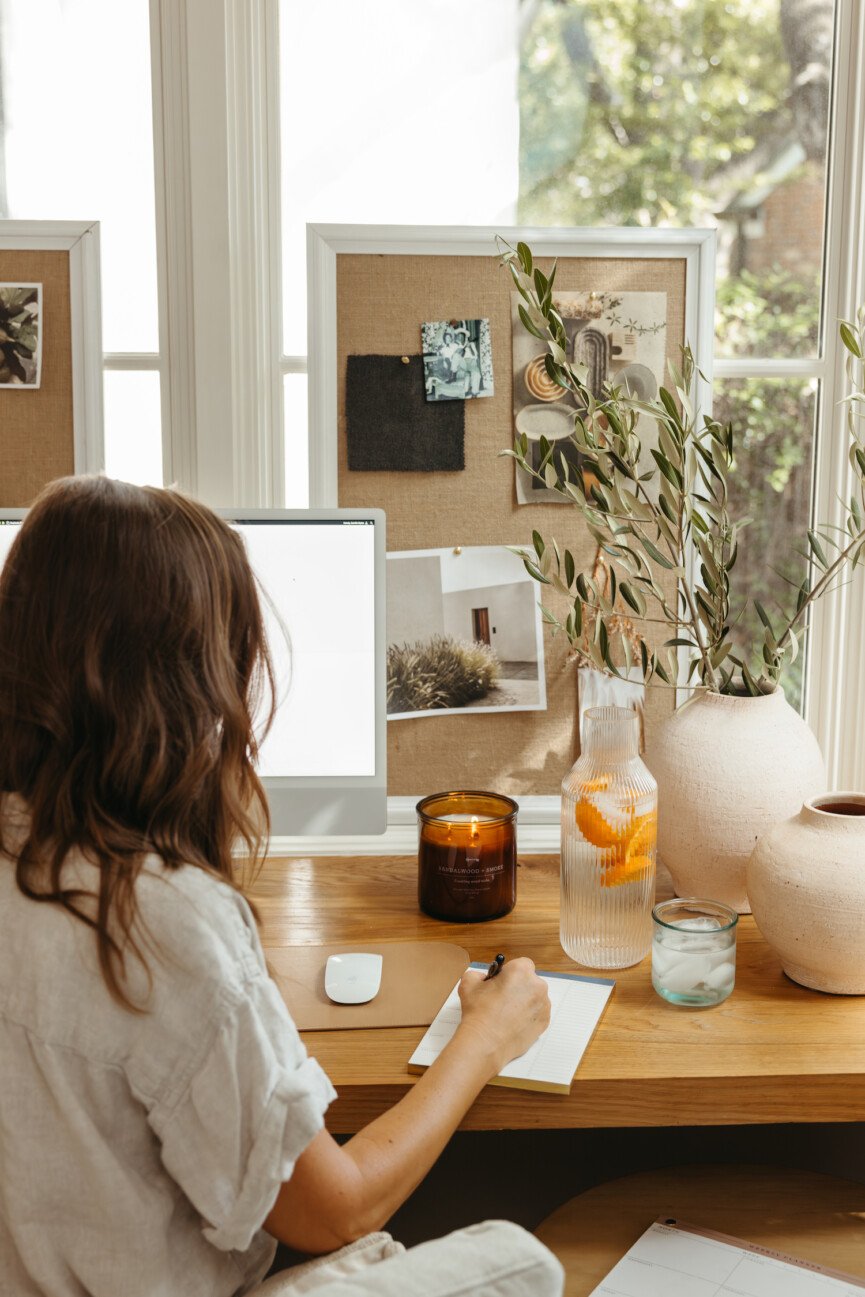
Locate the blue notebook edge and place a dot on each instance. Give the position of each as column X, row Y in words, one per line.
column 568, row 977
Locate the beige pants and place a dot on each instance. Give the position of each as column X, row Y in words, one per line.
column 493, row 1259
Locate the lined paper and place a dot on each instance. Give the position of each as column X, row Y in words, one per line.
column 576, row 1005
column 678, row 1260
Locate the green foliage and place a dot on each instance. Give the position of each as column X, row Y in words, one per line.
column 659, row 112
column 439, row 672
column 773, row 313
column 770, row 483
column 633, row 112
column 675, row 516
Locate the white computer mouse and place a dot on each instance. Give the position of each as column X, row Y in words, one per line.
column 352, row 978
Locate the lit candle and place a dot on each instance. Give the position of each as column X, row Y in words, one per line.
column 467, row 856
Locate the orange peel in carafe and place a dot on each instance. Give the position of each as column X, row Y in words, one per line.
column 626, row 838
column 601, row 821
column 625, row 871
column 643, row 836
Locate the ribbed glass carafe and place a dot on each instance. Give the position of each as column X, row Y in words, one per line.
column 609, row 836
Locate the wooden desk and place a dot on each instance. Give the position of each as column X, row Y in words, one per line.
column 773, row 1052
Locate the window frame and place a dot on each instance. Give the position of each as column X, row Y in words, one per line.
column 216, row 158
column 216, row 144
column 835, row 685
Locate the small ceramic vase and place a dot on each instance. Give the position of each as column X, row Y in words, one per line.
column 728, row 769
column 806, row 881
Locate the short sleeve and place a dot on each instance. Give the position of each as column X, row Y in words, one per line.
column 252, row 1104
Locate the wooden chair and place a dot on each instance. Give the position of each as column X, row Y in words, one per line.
column 816, row 1217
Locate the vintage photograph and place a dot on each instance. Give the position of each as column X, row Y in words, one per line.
column 20, row 335
column 464, row 633
column 457, row 359
column 619, row 337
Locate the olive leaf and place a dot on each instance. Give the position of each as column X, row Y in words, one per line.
column 664, row 516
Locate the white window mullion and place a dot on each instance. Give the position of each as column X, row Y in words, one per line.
column 252, row 86
column 755, row 367
column 136, row 360
column 171, row 156
column 216, row 113
column 835, row 687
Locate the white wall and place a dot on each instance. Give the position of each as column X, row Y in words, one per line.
column 512, row 617
column 414, row 599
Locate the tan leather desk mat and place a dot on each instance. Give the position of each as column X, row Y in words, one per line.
column 416, row 979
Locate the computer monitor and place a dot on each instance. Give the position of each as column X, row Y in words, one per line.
column 322, row 572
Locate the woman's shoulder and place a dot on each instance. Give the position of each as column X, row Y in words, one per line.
column 191, row 915
column 198, row 916
column 201, row 959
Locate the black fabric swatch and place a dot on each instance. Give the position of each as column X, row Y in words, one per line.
column 392, row 427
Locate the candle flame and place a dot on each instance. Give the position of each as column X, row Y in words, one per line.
column 474, row 829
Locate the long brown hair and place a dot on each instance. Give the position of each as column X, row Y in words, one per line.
column 132, row 662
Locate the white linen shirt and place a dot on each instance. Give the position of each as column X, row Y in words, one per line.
column 141, row 1152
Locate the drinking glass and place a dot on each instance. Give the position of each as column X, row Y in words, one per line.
column 694, row 951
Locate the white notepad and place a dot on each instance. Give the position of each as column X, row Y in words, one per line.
column 673, row 1259
column 576, row 1005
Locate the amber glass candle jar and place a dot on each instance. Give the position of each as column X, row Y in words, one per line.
column 467, row 856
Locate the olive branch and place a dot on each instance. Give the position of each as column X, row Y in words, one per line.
column 666, row 513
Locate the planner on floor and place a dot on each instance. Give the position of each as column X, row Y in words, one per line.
column 673, row 1259
column 576, row 1006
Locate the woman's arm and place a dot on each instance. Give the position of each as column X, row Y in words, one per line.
column 338, row 1193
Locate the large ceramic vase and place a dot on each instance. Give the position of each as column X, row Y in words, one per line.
column 728, row 770
column 806, row 881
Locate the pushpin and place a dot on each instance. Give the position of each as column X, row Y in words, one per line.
column 405, row 360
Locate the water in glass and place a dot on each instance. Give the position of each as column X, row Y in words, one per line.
column 694, row 962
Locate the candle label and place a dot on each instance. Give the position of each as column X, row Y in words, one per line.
column 470, row 874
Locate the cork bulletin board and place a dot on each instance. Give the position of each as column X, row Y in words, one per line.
column 53, row 428
column 370, row 290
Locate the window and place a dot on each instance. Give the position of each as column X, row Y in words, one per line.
column 416, row 122
column 688, row 112
column 76, row 143
column 668, row 112
column 675, row 112
column 646, row 112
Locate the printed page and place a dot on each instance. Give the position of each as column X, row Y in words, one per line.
column 684, row 1261
column 576, row 1007
column 575, row 1010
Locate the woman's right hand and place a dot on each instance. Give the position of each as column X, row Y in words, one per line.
column 339, row 1192
column 508, row 1012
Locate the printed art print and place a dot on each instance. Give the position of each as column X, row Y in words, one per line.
column 20, row 335
column 464, row 633
column 619, row 337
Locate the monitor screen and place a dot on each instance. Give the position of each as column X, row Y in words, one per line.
column 321, row 574
column 318, row 580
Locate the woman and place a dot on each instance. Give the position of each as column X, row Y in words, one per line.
column 466, row 363
column 160, row 1123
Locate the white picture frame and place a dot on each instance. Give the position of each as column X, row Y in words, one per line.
column 326, row 242
column 81, row 240
column 539, row 815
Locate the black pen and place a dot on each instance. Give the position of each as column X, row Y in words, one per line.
column 495, row 967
